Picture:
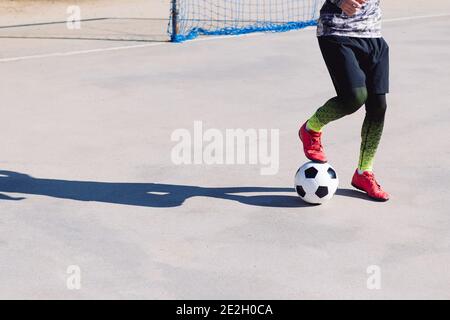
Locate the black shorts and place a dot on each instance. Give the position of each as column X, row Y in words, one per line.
column 356, row 62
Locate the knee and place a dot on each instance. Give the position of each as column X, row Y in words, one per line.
column 355, row 99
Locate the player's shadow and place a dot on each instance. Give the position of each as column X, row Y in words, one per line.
column 154, row 195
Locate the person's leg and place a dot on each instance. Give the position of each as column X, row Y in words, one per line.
column 377, row 73
column 372, row 130
column 335, row 108
column 341, row 56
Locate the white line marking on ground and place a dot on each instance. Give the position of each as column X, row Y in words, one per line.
column 417, row 17
column 80, row 52
column 73, row 53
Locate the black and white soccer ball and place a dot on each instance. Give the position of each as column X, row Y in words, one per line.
column 316, row 183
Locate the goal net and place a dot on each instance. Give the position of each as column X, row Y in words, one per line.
column 191, row 18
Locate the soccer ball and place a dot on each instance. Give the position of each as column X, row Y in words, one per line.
column 316, row 183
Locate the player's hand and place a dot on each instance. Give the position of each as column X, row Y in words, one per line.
column 350, row 7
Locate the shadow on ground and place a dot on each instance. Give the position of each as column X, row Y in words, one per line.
column 154, row 195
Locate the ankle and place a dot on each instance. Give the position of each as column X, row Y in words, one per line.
column 361, row 171
column 313, row 126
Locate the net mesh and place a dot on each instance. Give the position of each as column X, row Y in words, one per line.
column 232, row 17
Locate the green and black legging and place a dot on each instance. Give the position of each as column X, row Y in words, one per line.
column 359, row 68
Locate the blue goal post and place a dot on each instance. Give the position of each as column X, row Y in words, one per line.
column 191, row 18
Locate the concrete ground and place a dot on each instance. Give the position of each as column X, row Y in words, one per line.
column 87, row 180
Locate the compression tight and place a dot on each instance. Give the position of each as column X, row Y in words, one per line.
column 337, row 108
column 372, row 128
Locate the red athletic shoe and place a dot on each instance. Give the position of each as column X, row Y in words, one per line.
column 312, row 145
column 366, row 182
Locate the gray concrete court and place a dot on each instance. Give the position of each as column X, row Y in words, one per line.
column 87, row 179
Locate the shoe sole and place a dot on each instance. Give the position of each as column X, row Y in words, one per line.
column 373, row 198
column 313, row 160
